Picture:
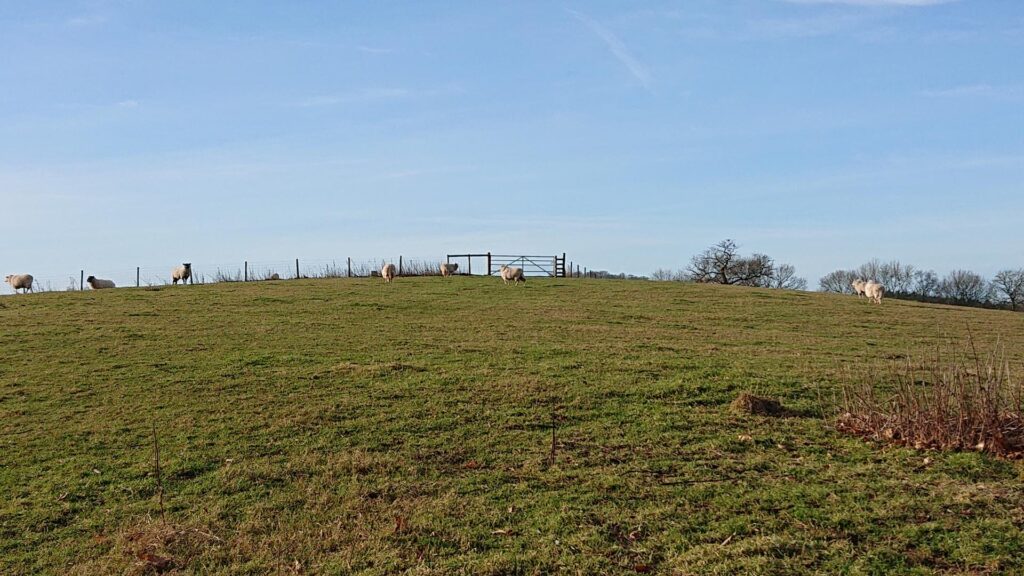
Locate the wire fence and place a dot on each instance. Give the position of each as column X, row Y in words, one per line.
column 270, row 270
column 243, row 271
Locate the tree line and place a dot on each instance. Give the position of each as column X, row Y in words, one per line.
column 960, row 287
column 724, row 264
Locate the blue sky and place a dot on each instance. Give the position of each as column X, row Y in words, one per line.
column 629, row 134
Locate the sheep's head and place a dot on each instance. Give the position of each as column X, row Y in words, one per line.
column 187, row 265
column 8, row 278
column 90, row 279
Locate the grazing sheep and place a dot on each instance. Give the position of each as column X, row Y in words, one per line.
column 874, row 291
column 448, row 269
column 512, row 274
column 388, row 272
column 98, row 284
column 183, row 273
column 858, row 286
column 21, row 282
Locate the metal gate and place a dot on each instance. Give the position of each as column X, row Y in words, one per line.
column 550, row 266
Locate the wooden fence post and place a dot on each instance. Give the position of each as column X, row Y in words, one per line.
column 81, row 280
column 245, row 274
column 399, row 265
column 136, row 276
column 488, row 263
column 296, row 268
column 349, row 266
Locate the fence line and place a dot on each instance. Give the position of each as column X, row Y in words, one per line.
column 262, row 270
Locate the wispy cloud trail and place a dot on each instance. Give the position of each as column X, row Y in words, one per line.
column 617, row 48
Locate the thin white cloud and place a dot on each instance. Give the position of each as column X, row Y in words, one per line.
column 976, row 91
column 617, row 48
column 373, row 95
column 912, row 3
column 127, row 104
column 375, row 50
column 425, row 172
column 83, row 21
column 365, row 95
column 825, row 25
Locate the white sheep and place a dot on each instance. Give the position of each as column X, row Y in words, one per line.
column 512, row 274
column 183, row 273
column 858, row 286
column 874, row 291
column 98, row 284
column 388, row 272
column 448, row 269
column 21, row 282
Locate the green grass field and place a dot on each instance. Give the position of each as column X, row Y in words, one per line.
column 345, row 426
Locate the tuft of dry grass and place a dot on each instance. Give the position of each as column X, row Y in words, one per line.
column 157, row 547
column 955, row 403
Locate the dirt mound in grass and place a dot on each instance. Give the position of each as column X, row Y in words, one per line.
column 747, row 403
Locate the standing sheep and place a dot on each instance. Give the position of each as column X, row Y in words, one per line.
column 874, row 291
column 98, row 284
column 512, row 274
column 183, row 273
column 21, row 282
column 448, row 269
column 858, row 286
column 388, row 272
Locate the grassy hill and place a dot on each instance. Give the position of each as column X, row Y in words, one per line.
column 345, row 426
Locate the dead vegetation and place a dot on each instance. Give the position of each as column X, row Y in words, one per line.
column 157, row 547
column 958, row 402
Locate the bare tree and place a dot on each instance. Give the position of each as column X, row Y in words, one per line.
column 1010, row 283
column 722, row 264
column 926, row 284
column 839, row 281
column 898, row 278
column 965, row 287
column 662, row 274
column 785, row 277
column 870, row 270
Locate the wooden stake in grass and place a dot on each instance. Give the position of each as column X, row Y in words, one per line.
column 554, row 423
column 159, row 474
